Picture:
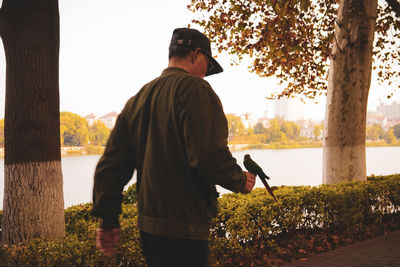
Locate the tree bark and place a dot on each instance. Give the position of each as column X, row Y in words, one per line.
column 348, row 86
column 33, row 194
column 34, row 204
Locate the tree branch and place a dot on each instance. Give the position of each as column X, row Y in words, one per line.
column 395, row 6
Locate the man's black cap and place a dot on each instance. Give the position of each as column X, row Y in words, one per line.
column 195, row 39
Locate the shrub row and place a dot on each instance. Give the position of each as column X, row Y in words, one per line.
column 286, row 145
column 306, row 220
column 250, row 230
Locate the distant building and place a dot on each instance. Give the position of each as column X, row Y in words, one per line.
column 376, row 118
column 264, row 121
column 307, row 128
column 91, row 118
column 289, row 109
column 109, row 119
column 390, row 111
column 248, row 120
column 392, row 121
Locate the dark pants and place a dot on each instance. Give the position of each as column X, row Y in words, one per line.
column 161, row 251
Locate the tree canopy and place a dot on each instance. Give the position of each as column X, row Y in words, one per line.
column 98, row 134
column 75, row 131
column 318, row 130
column 375, row 132
column 235, row 125
column 292, row 40
column 396, row 130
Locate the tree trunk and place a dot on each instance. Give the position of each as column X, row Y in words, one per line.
column 33, row 196
column 348, row 86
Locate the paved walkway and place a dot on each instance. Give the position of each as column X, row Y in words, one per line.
column 379, row 251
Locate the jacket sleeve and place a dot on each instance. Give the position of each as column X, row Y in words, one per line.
column 206, row 138
column 113, row 171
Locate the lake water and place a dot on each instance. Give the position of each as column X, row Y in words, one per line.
column 285, row 167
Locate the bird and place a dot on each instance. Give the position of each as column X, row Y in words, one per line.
column 253, row 167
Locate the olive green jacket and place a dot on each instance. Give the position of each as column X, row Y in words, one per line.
column 173, row 132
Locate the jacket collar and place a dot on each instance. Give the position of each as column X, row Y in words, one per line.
column 171, row 70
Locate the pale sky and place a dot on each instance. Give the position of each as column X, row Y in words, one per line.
column 110, row 49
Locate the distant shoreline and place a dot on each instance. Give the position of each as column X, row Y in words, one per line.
column 313, row 144
column 95, row 150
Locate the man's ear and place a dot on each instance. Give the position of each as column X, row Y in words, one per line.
column 194, row 54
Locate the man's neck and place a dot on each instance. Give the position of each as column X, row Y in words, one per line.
column 180, row 63
column 186, row 64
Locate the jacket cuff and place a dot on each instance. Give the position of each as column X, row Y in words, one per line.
column 109, row 223
column 243, row 181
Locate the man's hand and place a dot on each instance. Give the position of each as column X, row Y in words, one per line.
column 248, row 186
column 107, row 240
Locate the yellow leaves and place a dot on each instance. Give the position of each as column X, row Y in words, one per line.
column 190, row 8
column 280, row 11
column 251, row 53
column 304, row 5
column 278, row 54
column 284, row 25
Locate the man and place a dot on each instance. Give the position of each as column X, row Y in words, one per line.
column 173, row 132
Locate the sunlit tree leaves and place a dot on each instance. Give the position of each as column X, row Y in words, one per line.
column 74, row 129
column 292, row 40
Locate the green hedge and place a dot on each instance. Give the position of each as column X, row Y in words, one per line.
column 250, row 230
column 78, row 247
column 130, row 195
column 305, row 220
